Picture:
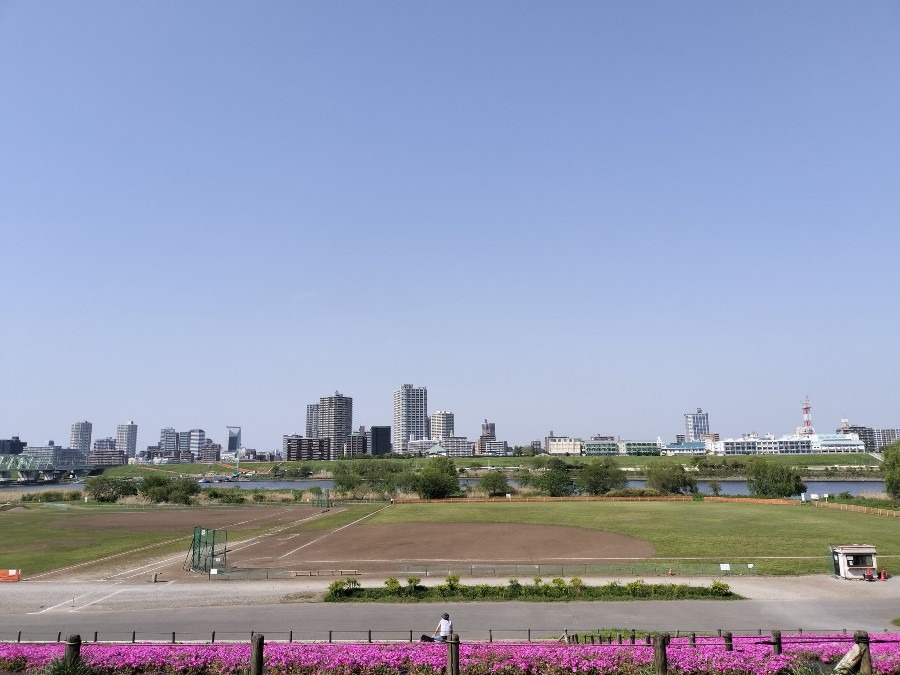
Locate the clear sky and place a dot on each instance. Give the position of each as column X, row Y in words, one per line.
column 584, row 216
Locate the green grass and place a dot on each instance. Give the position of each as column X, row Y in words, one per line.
column 776, row 539
column 706, row 531
column 38, row 539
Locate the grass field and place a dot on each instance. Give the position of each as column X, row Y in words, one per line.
column 776, row 539
column 39, row 539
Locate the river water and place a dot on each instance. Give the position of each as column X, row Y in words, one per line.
column 726, row 487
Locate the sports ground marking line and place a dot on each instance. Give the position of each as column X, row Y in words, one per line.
column 37, row 577
column 88, row 604
column 239, row 545
column 77, row 597
column 343, row 527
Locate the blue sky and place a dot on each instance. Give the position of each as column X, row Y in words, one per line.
column 585, row 217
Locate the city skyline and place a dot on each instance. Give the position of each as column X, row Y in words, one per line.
column 340, row 406
column 590, row 218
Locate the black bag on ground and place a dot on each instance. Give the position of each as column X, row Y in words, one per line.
column 426, row 638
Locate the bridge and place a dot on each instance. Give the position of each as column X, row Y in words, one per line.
column 35, row 469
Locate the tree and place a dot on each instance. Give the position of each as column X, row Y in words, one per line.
column 555, row 482
column 600, row 476
column 439, row 479
column 891, row 469
column 494, row 484
column 669, row 478
column 767, row 479
column 107, row 489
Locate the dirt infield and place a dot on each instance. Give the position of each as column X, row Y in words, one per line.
column 263, row 538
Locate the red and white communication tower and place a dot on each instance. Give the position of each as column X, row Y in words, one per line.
column 807, row 428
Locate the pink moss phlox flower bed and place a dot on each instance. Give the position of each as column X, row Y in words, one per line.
column 750, row 657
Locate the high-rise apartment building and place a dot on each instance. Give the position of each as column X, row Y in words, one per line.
column 410, row 416
column 885, row 437
column 336, row 421
column 312, row 420
column 441, row 424
column 105, row 453
column 695, row 425
column 80, row 438
column 126, row 439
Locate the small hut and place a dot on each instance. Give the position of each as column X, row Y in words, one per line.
column 854, row 561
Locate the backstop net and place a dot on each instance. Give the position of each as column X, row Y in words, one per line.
column 208, row 550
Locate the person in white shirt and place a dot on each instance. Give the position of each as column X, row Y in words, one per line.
column 444, row 628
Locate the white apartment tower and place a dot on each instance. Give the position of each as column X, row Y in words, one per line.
column 410, row 417
column 336, row 421
column 441, row 424
column 696, row 425
column 126, row 439
column 80, row 438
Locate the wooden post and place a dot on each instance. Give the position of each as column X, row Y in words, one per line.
column 776, row 642
column 660, row 658
column 370, row 636
column 631, row 638
column 95, row 636
column 212, row 638
column 19, row 637
column 452, row 654
column 729, row 645
column 257, row 645
column 173, row 637
column 693, row 639
column 861, row 638
column 73, row 650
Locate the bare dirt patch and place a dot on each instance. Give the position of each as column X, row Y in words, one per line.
column 279, row 542
column 375, row 545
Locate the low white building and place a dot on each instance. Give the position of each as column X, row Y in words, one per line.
column 563, row 445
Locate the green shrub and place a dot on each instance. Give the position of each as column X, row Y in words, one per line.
column 66, row 667
column 392, row 585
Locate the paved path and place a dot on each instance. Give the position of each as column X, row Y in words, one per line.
column 291, row 608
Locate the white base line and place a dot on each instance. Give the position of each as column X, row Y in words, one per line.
column 332, row 532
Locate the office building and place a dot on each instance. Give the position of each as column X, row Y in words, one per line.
column 168, row 441
column 410, row 416
column 234, row 440
column 441, row 425
column 695, row 425
column 80, row 438
column 312, row 420
column 379, row 441
column 336, row 421
column 197, row 441
column 12, row 446
column 126, row 439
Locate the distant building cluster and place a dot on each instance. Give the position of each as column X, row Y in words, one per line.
column 330, row 435
column 698, row 440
